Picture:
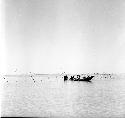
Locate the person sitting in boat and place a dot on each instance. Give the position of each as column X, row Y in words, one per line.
column 78, row 77
column 72, row 78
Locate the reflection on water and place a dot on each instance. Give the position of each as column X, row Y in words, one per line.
column 52, row 97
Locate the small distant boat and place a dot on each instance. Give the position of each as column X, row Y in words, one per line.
column 72, row 78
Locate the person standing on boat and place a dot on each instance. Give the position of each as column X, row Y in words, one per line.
column 65, row 77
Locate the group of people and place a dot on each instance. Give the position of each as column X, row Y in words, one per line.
column 78, row 78
column 66, row 78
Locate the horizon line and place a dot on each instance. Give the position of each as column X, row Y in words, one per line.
column 96, row 73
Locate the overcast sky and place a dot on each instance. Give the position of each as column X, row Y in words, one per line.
column 75, row 36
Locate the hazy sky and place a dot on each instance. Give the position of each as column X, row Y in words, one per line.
column 75, row 36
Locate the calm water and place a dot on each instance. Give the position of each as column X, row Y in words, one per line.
column 52, row 97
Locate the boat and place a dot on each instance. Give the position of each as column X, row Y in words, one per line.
column 72, row 78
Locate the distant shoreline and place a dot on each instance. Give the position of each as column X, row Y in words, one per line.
column 45, row 74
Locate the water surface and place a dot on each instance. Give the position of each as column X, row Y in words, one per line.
column 50, row 96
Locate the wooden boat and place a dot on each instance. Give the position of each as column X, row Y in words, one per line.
column 72, row 78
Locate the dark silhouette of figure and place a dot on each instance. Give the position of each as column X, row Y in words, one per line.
column 65, row 77
column 78, row 77
column 72, row 78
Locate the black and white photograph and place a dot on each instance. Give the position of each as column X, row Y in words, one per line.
column 62, row 58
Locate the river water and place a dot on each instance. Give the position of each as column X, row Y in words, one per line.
column 52, row 97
